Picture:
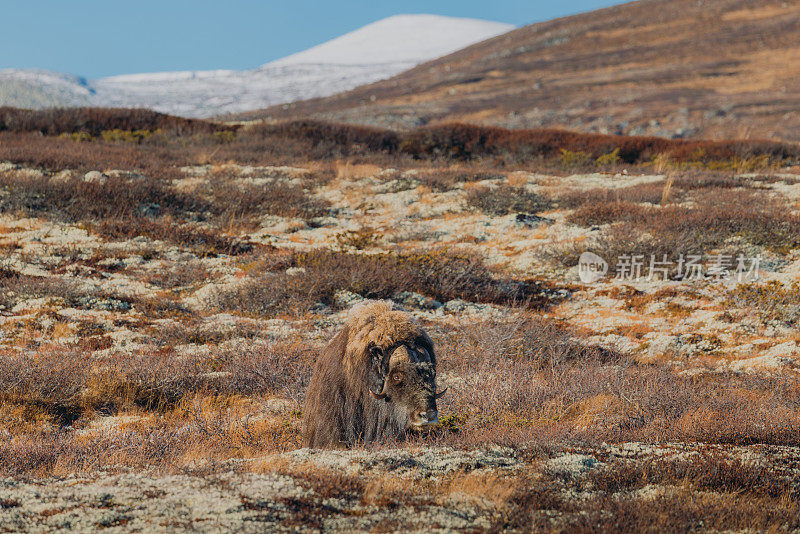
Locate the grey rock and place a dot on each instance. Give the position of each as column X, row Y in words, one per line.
column 150, row 210
column 662, row 344
column 95, row 177
column 530, row 220
column 63, row 176
column 346, row 299
column 103, row 304
column 460, row 306
column 125, row 175
column 571, row 464
column 8, row 166
column 415, row 300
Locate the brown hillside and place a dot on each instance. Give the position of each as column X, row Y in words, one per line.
column 673, row 68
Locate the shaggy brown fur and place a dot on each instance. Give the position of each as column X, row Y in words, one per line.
column 376, row 378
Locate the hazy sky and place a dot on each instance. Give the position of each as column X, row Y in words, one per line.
column 96, row 38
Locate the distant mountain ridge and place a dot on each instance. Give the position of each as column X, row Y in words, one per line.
column 669, row 68
column 374, row 52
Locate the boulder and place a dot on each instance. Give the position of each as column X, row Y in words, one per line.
column 95, row 177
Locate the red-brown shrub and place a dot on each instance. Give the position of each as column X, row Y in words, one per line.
column 96, row 120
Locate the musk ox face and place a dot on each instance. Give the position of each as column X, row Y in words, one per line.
column 405, row 377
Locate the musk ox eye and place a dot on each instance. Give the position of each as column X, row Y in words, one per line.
column 397, row 377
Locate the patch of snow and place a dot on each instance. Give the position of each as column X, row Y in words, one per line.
column 375, row 52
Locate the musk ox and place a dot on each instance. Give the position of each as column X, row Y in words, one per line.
column 376, row 378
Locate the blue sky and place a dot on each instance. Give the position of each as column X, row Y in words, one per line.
column 96, row 38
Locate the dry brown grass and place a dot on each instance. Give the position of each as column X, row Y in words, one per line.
column 769, row 301
column 17, row 287
column 439, row 274
column 347, row 170
column 716, row 216
column 124, row 208
column 66, row 385
column 707, row 490
column 445, row 179
column 74, row 199
column 505, row 199
column 184, row 409
column 198, row 239
column 522, row 383
column 534, row 380
column 180, row 275
column 675, row 188
column 231, row 200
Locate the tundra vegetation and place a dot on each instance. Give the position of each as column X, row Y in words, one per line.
column 166, row 287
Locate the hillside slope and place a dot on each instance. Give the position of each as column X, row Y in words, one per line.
column 674, row 68
column 374, row 52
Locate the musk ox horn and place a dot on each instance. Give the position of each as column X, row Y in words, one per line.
column 381, row 395
column 378, row 396
column 438, row 394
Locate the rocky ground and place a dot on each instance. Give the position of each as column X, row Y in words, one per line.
column 430, row 490
column 150, row 384
column 390, row 210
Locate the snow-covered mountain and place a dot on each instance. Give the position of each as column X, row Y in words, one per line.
column 401, row 39
column 41, row 89
column 375, row 52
